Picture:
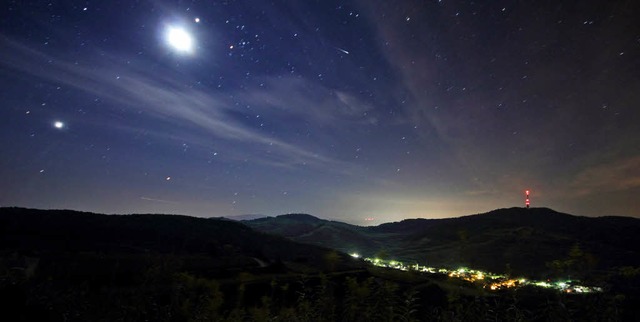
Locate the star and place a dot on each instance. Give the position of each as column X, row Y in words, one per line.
column 58, row 125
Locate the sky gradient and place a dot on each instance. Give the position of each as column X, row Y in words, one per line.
column 364, row 112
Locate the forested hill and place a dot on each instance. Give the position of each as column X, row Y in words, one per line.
column 535, row 241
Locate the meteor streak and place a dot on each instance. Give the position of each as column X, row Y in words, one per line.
column 342, row 50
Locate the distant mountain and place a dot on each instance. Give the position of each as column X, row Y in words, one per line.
column 243, row 217
column 534, row 241
column 312, row 230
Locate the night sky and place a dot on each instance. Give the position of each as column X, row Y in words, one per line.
column 364, row 112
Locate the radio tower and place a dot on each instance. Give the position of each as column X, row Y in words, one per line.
column 526, row 200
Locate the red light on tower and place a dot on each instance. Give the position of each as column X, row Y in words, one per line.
column 526, row 200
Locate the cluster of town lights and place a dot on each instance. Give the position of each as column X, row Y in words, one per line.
column 488, row 280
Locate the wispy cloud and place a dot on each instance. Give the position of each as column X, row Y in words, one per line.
column 309, row 101
column 618, row 175
column 416, row 72
column 165, row 97
column 159, row 200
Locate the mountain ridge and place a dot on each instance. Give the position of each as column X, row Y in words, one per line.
column 29, row 231
column 526, row 240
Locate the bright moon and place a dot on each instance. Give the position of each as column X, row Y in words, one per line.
column 179, row 39
column 58, row 125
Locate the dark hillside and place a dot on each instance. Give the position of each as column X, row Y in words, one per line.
column 67, row 265
column 523, row 241
column 312, row 230
column 54, row 231
column 289, row 225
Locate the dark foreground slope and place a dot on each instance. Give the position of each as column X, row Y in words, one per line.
column 68, row 265
column 227, row 244
column 534, row 242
